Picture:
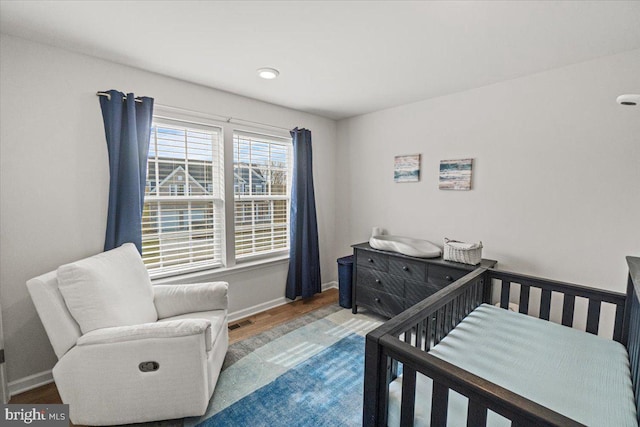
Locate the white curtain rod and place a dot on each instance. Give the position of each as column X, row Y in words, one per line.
column 227, row 119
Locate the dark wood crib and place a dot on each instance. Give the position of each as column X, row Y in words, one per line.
column 408, row 337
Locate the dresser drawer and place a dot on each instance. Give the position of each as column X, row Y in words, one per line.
column 414, row 292
column 380, row 302
column 407, row 269
column 444, row 275
column 380, row 281
column 372, row 260
column 388, row 282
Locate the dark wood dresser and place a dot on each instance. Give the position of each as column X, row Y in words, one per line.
column 389, row 282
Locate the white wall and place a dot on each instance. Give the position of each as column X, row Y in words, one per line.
column 556, row 174
column 556, row 180
column 54, row 177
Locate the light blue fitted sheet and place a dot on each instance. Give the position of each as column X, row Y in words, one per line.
column 580, row 375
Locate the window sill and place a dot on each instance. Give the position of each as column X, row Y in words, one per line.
column 218, row 273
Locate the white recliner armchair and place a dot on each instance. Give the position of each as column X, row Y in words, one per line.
column 130, row 352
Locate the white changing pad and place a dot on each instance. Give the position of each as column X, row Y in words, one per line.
column 580, row 375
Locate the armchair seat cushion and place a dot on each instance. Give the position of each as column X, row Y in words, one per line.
column 107, row 290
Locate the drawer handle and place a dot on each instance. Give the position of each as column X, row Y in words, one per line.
column 369, row 259
column 377, row 299
column 378, row 281
column 448, row 278
column 405, row 268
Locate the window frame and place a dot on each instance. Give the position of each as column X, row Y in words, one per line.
column 270, row 138
column 217, row 200
column 229, row 262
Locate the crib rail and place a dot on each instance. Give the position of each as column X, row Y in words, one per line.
column 408, row 337
column 482, row 394
column 631, row 327
column 569, row 291
column 418, row 328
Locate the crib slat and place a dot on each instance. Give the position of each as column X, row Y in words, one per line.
column 485, row 291
column 463, row 301
column 419, row 334
column 408, row 396
column 429, row 334
column 593, row 316
column 504, row 294
column 465, row 310
column 453, row 321
column 633, row 347
column 568, row 305
column 476, row 297
column 476, row 414
column 524, row 299
column 439, row 405
column 452, row 317
column 545, row 304
column 438, row 331
column 455, row 312
column 446, row 320
column 617, row 327
column 392, row 369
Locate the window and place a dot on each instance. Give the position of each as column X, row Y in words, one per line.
column 183, row 217
column 261, row 182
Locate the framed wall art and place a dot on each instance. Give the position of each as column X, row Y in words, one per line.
column 407, row 168
column 455, row 174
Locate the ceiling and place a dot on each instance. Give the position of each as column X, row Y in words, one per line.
column 336, row 59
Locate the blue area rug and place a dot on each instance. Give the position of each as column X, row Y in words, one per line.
column 324, row 390
column 306, row 372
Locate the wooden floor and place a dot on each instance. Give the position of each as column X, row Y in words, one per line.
column 250, row 326
column 266, row 320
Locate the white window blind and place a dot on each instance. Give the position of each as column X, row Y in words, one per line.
column 261, row 181
column 183, row 217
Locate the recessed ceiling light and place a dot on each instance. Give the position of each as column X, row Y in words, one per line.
column 268, row 73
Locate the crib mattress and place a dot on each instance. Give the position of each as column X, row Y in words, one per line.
column 580, row 375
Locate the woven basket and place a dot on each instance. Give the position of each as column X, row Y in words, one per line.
column 453, row 252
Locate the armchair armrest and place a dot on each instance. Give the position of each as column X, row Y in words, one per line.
column 170, row 329
column 174, row 300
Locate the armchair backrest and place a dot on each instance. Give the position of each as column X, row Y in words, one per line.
column 105, row 290
column 62, row 329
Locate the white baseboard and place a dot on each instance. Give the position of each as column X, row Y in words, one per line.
column 329, row 285
column 250, row 311
column 28, row 383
